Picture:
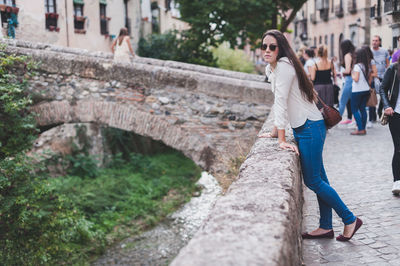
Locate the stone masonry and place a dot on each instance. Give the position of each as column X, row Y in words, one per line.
column 211, row 118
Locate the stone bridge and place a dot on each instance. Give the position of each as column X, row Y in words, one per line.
column 209, row 114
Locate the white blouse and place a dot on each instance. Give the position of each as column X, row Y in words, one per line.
column 362, row 84
column 289, row 104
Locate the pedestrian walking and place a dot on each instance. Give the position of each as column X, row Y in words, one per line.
column 322, row 74
column 310, row 61
column 381, row 57
column 360, row 90
column 389, row 91
column 372, row 79
column 346, row 58
column 122, row 48
column 295, row 104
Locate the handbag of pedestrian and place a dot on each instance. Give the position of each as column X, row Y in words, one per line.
column 372, row 99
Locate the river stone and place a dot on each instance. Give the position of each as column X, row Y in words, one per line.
column 155, row 106
column 163, row 100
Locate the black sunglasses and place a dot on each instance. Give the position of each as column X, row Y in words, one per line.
column 272, row 47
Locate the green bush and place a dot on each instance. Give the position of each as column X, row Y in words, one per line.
column 168, row 46
column 37, row 225
column 136, row 190
column 17, row 125
column 231, row 59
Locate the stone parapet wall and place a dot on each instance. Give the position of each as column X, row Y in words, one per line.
column 148, row 76
column 138, row 60
column 258, row 220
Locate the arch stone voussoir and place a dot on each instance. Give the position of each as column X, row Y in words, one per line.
column 125, row 117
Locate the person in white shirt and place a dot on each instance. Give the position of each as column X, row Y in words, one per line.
column 295, row 103
column 310, row 61
column 360, row 91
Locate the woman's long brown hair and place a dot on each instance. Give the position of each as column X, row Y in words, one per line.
column 122, row 33
column 305, row 84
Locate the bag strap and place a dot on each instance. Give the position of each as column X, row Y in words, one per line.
column 365, row 76
column 321, row 101
column 316, row 65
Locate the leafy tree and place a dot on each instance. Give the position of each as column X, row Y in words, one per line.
column 213, row 22
column 232, row 59
column 17, row 125
column 169, row 46
column 38, row 226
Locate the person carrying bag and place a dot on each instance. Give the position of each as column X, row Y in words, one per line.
column 389, row 92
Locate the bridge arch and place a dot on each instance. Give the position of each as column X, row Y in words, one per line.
column 128, row 117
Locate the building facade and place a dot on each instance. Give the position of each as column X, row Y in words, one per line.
column 385, row 21
column 88, row 24
column 166, row 16
column 331, row 21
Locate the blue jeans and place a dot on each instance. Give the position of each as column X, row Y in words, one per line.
column 310, row 139
column 346, row 94
column 358, row 106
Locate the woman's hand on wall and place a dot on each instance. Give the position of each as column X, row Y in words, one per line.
column 272, row 134
column 268, row 135
column 288, row 146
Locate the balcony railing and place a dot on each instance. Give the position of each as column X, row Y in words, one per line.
column 51, row 21
column 324, row 14
column 352, row 6
column 339, row 12
column 313, row 18
column 391, row 6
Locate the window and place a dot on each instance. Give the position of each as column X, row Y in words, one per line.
column 128, row 21
column 155, row 15
column 326, row 40
column 78, row 10
column 341, row 37
column 332, row 44
column 50, row 6
column 353, row 38
column 168, row 5
column 103, row 19
column 315, row 41
column 79, row 19
column 6, row 13
column 320, row 39
column 51, row 15
column 8, row 2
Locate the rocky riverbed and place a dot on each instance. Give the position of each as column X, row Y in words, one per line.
column 161, row 244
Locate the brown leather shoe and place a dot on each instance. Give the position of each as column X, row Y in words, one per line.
column 359, row 132
column 329, row 234
column 342, row 238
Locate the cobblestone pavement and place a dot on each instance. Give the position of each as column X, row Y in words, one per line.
column 359, row 168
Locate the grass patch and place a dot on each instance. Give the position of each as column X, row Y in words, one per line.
column 132, row 195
